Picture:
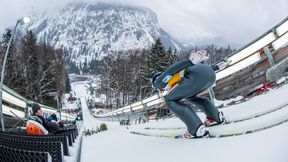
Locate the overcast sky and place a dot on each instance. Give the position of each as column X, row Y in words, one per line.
column 236, row 21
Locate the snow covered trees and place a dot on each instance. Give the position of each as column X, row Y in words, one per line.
column 11, row 67
column 34, row 70
column 120, row 77
column 30, row 62
column 125, row 74
column 157, row 58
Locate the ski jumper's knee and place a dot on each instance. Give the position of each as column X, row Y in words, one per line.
column 171, row 104
column 206, row 106
column 204, row 101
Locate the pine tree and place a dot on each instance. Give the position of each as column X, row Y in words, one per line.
column 10, row 77
column 52, row 73
column 85, row 67
column 34, row 70
column 157, row 58
column 4, row 43
column 143, row 75
column 46, row 73
column 172, row 57
column 67, row 83
column 175, row 52
column 95, row 66
column 31, row 65
column 60, row 71
column 72, row 68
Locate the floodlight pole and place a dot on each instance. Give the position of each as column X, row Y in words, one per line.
column 3, row 75
column 24, row 20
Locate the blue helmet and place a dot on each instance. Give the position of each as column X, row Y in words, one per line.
column 154, row 76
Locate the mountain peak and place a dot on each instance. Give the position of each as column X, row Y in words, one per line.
column 90, row 31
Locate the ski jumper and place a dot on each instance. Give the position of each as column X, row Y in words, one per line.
column 185, row 80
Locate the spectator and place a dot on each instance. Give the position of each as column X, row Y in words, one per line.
column 37, row 115
column 53, row 118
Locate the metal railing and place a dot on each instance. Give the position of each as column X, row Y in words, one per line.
column 19, row 105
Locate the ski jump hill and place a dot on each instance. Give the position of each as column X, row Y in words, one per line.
column 257, row 127
column 257, row 132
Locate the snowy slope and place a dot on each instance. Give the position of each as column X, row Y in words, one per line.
column 90, row 30
column 268, row 145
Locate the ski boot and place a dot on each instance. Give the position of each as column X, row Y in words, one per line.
column 210, row 122
column 202, row 132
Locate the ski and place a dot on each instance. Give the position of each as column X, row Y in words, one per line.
column 177, row 136
column 211, row 134
column 157, row 135
column 237, row 129
column 159, row 128
column 242, row 132
column 228, row 121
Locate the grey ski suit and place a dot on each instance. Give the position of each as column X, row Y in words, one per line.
column 196, row 78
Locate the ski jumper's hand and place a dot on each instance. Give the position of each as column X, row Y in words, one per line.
column 224, row 63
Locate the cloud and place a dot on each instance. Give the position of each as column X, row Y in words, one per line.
column 237, row 21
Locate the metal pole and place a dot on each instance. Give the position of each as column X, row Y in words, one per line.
column 58, row 105
column 211, row 95
column 2, row 76
column 269, row 55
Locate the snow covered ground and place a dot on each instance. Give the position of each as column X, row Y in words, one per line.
column 268, row 145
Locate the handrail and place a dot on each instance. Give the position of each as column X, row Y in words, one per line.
column 263, row 40
column 12, row 92
column 269, row 37
column 13, row 98
column 17, row 100
column 273, row 29
column 7, row 110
